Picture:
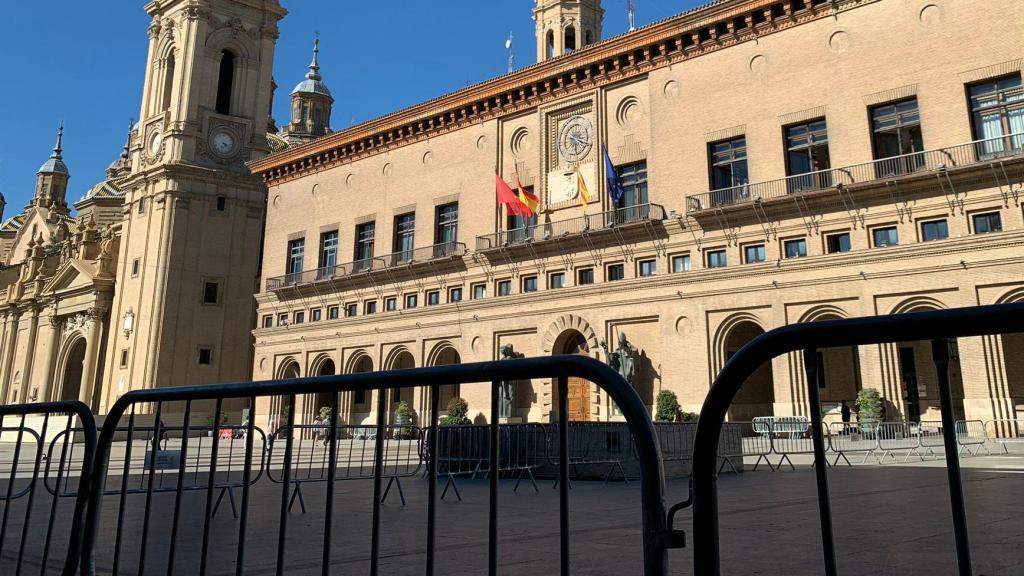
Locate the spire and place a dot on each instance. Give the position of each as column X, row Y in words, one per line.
column 128, row 140
column 56, row 162
column 314, row 66
column 60, row 138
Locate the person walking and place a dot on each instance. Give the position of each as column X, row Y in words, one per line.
column 844, row 411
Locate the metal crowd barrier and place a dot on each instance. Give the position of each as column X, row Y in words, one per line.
column 743, row 439
column 593, row 444
column 354, row 457
column 1005, row 431
column 23, row 501
column 970, row 435
column 466, row 451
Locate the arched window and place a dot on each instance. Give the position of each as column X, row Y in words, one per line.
column 168, row 82
column 590, row 38
column 225, row 82
column 551, row 44
column 318, row 119
column 570, row 39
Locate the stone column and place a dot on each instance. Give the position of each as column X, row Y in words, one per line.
column 30, row 350
column 5, row 345
column 50, row 381
column 92, row 348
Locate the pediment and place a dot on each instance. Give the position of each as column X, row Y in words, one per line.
column 72, row 274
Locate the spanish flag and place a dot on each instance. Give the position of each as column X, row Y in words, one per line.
column 509, row 198
column 530, row 201
column 584, row 193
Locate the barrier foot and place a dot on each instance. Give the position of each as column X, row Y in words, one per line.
column 761, row 457
column 785, row 458
column 843, row 456
column 519, row 479
column 398, row 483
column 729, row 462
column 297, row 494
column 231, row 500
column 555, row 485
column 451, row 484
column 611, row 470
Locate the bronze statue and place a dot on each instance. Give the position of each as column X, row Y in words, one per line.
column 507, row 389
column 624, row 359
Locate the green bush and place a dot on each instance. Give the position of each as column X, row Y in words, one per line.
column 404, row 430
column 869, row 406
column 666, row 406
column 690, row 416
column 458, row 410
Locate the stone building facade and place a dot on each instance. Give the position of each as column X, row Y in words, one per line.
column 782, row 161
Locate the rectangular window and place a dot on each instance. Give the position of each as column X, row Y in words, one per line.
column 681, row 263
column 300, row 317
column 329, row 251
column 205, row 356
column 717, row 259
column 633, row 204
column 503, row 287
column 896, row 134
column 455, row 295
column 988, row 222
column 447, row 232
column 142, row 205
column 807, row 153
column 268, row 321
column 584, row 276
column 364, row 244
column 836, row 243
column 753, row 254
column 615, row 272
column 390, row 304
column 520, row 228
column 405, row 236
column 222, row 203
column 556, row 280
column 728, row 166
column 136, row 266
column 479, row 291
column 997, row 111
column 124, row 352
column 795, row 248
column 433, row 298
column 296, row 251
column 211, row 292
column 885, row 236
column 647, row 268
column 315, row 315
column 370, row 307
column 332, row 312
column 934, row 230
column 282, row 319
column 411, row 301
column 351, row 310
column 529, row 284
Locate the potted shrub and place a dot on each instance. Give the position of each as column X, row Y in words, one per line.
column 404, row 430
column 869, row 409
column 666, row 406
column 458, row 411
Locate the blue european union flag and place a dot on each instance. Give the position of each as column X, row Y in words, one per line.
column 615, row 189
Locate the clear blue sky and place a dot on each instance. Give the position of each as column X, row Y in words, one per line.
column 84, row 61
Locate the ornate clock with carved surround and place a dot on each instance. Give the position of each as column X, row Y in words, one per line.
column 576, row 139
column 224, row 142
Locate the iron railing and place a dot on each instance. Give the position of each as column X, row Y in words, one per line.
column 561, row 229
column 937, row 160
column 403, row 258
column 937, row 326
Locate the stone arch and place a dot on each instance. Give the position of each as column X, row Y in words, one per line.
column 839, row 374
column 358, row 362
column 70, row 367
column 558, row 329
column 757, row 395
column 1011, row 297
column 400, row 358
column 320, row 362
column 823, row 312
column 437, row 354
column 288, row 368
column 718, row 351
column 1012, row 354
column 915, row 389
column 442, row 354
column 226, row 39
column 322, row 365
column 917, row 304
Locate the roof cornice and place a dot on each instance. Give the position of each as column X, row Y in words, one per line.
column 687, row 35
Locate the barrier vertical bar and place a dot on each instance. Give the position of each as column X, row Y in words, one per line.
column 940, row 355
column 563, row 472
column 211, row 484
column 828, row 546
column 332, row 464
column 31, row 494
column 432, row 445
column 178, row 491
column 10, row 482
column 378, row 465
column 492, row 518
column 282, row 531
column 56, row 492
column 246, row 480
column 147, row 511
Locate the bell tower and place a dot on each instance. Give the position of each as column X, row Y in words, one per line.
column 193, row 213
column 311, row 105
column 566, row 25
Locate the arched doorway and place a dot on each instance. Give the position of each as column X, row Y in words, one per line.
column 359, row 401
column 324, row 401
column 400, row 360
column 74, row 366
column 279, row 407
column 838, row 374
column 580, row 398
column 757, row 395
column 918, row 379
column 447, row 356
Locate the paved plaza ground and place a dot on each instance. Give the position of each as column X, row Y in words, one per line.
column 890, row 520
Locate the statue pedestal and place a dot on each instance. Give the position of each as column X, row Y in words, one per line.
column 513, row 420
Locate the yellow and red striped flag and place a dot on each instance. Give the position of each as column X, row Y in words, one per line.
column 530, row 201
column 582, row 185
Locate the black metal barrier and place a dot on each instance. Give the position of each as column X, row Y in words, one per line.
column 936, row 326
column 23, row 497
column 165, row 526
column 465, row 451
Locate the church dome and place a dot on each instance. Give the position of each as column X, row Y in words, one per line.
column 314, row 83
column 55, row 164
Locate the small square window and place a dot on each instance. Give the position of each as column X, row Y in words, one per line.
column 315, row 315
column 795, row 248
column 370, row 307
column 332, row 312
column 836, row 243
column 680, row 263
column 211, row 292
column 479, row 291
column 142, row 205
column 300, row 317
column 433, row 298
column 390, row 304
column 556, row 280
column 136, row 266
column 988, row 222
column 411, row 301
column 455, row 295
column 885, row 236
column 282, row 319
column 934, row 230
column 222, row 203
column 753, row 254
column 124, row 358
column 351, row 310
column 504, row 287
column 648, row 268
column 615, row 272
column 268, row 321
column 584, row 276
column 530, row 284
column 205, row 356
column 717, row 259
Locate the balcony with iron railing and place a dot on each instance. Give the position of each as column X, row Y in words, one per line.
column 406, row 258
column 573, row 227
column 977, row 153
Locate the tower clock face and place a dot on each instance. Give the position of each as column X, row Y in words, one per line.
column 576, row 140
column 224, row 143
column 155, row 141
